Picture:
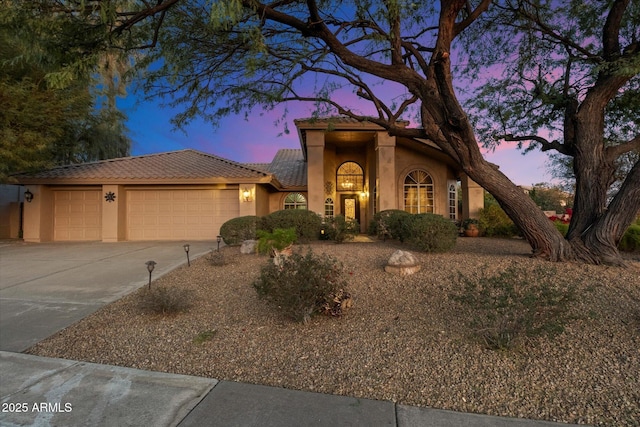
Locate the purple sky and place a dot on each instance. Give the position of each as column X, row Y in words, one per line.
column 258, row 139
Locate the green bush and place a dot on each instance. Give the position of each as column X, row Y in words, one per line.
column 237, row 230
column 340, row 229
column 430, row 233
column 164, row 300
column 390, row 224
column 303, row 285
column 562, row 227
column 631, row 239
column 494, row 222
column 306, row 223
column 279, row 239
column 515, row 304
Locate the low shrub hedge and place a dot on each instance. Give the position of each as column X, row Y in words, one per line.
column 306, row 223
column 237, row 230
column 430, row 233
column 494, row 222
column 389, row 224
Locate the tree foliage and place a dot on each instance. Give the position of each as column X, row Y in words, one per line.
column 55, row 109
column 385, row 61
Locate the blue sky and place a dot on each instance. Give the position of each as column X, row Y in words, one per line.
column 258, row 138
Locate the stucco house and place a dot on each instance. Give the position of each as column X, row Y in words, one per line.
column 343, row 167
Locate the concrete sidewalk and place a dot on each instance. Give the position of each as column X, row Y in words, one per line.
column 38, row 391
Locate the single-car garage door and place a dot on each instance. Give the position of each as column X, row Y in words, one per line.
column 77, row 215
column 179, row 214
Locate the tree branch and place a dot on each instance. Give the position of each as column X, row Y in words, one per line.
column 473, row 15
column 615, row 151
column 611, row 30
column 545, row 143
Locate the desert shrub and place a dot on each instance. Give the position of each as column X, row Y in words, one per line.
column 389, row 223
column 494, row 222
column 164, row 300
column 562, row 227
column 514, row 305
column 306, row 223
column 631, row 239
column 430, row 233
column 216, row 258
column 205, row 336
column 302, row 285
column 340, row 229
column 279, row 239
column 237, row 230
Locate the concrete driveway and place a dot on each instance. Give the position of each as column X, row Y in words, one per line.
column 45, row 287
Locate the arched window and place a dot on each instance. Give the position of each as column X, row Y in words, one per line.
column 418, row 192
column 328, row 207
column 350, row 177
column 295, row 201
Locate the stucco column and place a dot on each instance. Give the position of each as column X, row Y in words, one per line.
column 38, row 215
column 472, row 198
column 386, row 171
column 247, row 195
column 113, row 213
column 315, row 171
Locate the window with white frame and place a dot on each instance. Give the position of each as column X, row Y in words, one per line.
column 418, row 192
column 453, row 200
column 295, row 201
column 328, row 207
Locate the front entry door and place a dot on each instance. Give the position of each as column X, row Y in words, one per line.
column 350, row 206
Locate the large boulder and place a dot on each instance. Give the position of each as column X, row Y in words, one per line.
column 403, row 263
column 248, row 247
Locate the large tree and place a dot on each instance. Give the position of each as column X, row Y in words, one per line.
column 380, row 62
column 58, row 100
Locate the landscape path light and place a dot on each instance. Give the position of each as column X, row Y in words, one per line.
column 150, row 266
column 186, row 249
column 219, row 239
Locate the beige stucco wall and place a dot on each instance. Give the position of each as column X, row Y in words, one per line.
column 38, row 215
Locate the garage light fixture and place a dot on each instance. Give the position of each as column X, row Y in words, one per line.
column 28, row 196
column 186, row 249
column 150, row 266
column 246, row 194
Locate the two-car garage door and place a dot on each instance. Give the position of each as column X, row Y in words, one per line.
column 179, row 214
column 164, row 214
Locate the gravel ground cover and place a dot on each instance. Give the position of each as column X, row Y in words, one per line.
column 403, row 340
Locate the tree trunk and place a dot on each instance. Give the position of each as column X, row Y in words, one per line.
column 603, row 237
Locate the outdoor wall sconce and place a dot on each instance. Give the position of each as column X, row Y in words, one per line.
column 246, row 195
column 28, row 196
column 186, row 249
column 150, row 266
column 219, row 239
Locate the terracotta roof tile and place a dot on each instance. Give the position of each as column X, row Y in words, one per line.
column 289, row 167
column 183, row 165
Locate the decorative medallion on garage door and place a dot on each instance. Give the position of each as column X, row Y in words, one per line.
column 110, row 196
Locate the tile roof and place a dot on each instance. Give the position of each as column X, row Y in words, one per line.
column 289, row 167
column 175, row 166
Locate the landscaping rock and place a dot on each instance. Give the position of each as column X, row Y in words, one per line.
column 248, row 247
column 402, row 263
